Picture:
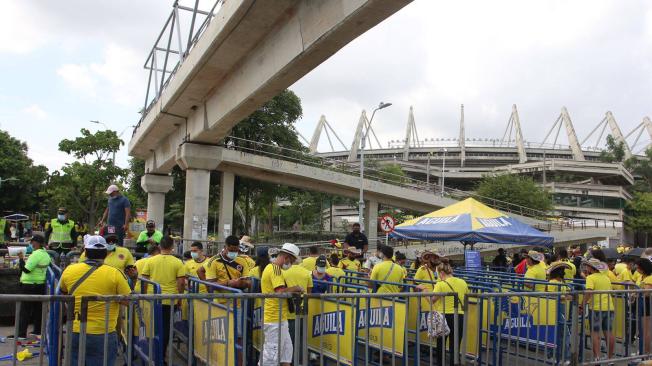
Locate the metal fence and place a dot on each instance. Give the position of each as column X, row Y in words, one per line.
column 503, row 319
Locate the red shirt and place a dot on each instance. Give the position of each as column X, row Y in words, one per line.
column 521, row 267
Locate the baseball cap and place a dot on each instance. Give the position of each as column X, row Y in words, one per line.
column 112, row 188
column 38, row 239
column 95, row 242
column 321, row 261
column 290, row 249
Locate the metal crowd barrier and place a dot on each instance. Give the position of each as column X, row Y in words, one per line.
column 500, row 324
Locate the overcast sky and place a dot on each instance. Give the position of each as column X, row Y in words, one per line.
column 67, row 62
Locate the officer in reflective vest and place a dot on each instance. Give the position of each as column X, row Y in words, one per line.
column 61, row 235
column 3, row 227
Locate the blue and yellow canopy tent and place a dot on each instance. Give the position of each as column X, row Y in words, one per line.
column 471, row 222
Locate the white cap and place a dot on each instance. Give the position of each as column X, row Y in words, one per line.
column 290, row 249
column 112, row 188
column 94, row 242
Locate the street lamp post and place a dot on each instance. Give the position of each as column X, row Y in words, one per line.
column 362, row 146
column 443, row 170
column 10, row 179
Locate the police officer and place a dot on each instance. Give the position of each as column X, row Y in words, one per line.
column 61, row 234
column 32, row 282
column 150, row 236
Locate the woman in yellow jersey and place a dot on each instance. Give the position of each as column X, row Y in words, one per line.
column 601, row 306
column 536, row 270
column 426, row 272
column 449, row 305
column 644, row 267
column 556, row 273
column 351, row 261
column 262, row 260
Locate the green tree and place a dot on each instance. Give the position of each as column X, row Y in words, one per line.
column 615, row 151
column 638, row 213
column 137, row 196
column 19, row 194
column 514, row 189
column 641, row 167
column 80, row 185
column 270, row 129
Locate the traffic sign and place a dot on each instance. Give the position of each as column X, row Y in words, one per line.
column 387, row 224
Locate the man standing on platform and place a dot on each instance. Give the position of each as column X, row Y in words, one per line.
column 117, row 214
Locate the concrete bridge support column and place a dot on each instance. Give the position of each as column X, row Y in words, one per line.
column 371, row 220
column 156, row 187
column 227, row 188
column 197, row 161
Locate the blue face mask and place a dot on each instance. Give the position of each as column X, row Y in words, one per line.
column 30, row 248
column 194, row 255
column 61, row 217
column 110, row 247
column 232, row 255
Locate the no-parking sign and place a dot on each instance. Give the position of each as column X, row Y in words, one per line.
column 387, row 224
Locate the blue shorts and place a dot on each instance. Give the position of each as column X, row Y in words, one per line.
column 601, row 321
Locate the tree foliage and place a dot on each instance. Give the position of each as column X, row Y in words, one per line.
column 80, row 185
column 615, row 151
column 21, row 194
column 518, row 190
column 639, row 212
column 641, row 167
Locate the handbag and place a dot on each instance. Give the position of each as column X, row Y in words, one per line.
column 437, row 324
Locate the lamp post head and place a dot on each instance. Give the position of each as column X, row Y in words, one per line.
column 383, row 105
column 93, row 121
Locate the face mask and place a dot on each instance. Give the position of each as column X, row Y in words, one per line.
column 61, row 217
column 110, row 247
column 321, row 270
column 194, row 255
column 30, row 248
column 232, row 255
column 287, row 266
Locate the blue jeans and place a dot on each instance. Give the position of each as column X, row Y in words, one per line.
column 95, row 349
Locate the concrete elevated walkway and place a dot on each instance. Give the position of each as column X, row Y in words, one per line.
column 250, row 51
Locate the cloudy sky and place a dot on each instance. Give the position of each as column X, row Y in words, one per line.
column 65, row 63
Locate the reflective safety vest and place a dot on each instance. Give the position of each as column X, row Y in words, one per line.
column 61, row 232
column 3, row 223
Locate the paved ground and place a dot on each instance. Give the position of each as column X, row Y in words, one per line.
column 6, row 349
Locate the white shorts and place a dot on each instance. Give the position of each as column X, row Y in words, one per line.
column 271, row 355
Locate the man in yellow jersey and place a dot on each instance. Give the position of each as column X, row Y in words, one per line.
column 89, row 279
column 227, row 268
column 536, row 270
column 601, row 306
column 309, row 262
column 198, row 260
column 387, row 271
column 351, row 262
column 334, row 270
column 300, row 277
column 118, row 257
column 276, row 311
column 170, row 273
column 245, row 247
